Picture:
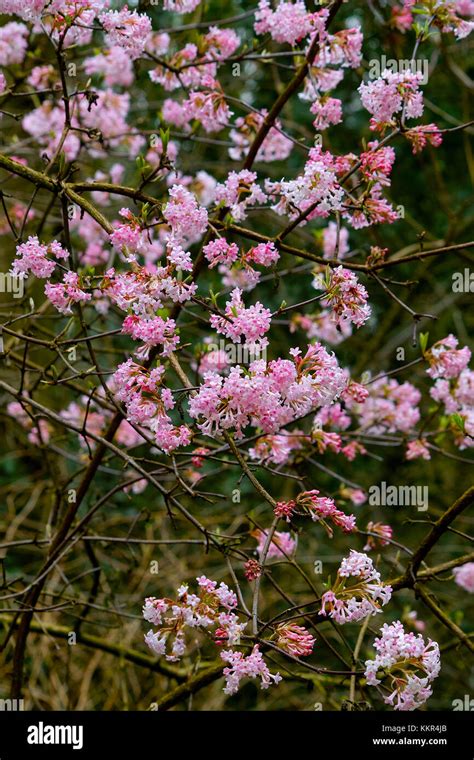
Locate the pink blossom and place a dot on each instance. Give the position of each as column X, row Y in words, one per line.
column 290, row 22
column 357, row 591
column 417, row 449
column 241, row 667
column 35, row 257
column 328, row 111
column 13, row 43
column 153, row 332
column 250, row 323
column 219, row 251
column 185, row 217
column 445, row 359
column 275, row 147
column 126, row 29
column 345, row 296
column 114, row 64
column 389, row 94
column 317, row 188
column 203, row 610
column 319, row 508
column 238, row 192
column 67, row 292
column 252, row 570
column 464, row 576
column 402, row 16
column 406, row 663
column 180, row 6
column 281, row 544
column 420, row 136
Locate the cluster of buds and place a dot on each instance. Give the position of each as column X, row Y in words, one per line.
column 320, row 508
column 383, row 534
column 294, row 639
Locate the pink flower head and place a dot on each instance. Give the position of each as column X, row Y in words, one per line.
column 281, row 544
column 406, row 664
column 127, row 29
column 240, row 667
column 464, row 576
column 37, row 258
column 252, row 323
column 323, row 509
column 345, row 296
column 219, row 251
column 391, row 94
column 357, row 591
column 417, row 449
column 445, row 359
column 328, row 111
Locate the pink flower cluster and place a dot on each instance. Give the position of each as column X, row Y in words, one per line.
column 281, row 545
column 211, row 606
column 446, row 360
column 236, row 267
column 383, row 534
column 187, row 220
column 238, row 192
column 289, row 22
column 252, row 323
column 317, row 188
column 126, row 29
column 252, row 666
column 464, row 576
column 153, row 332
column 63, row 294
column 33, row 257
column 457, row 395
column 277, row 449
column 345, row 296
column 357, row 591
column 406, row 663
column 275, row 147
column 147, row 404
column 327, row 110
column 390, row 407
column 267, row 396
column 390, row 94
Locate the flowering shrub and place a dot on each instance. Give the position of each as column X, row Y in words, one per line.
column 229, row 239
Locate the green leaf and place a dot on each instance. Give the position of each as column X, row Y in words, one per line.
column 424, row 342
